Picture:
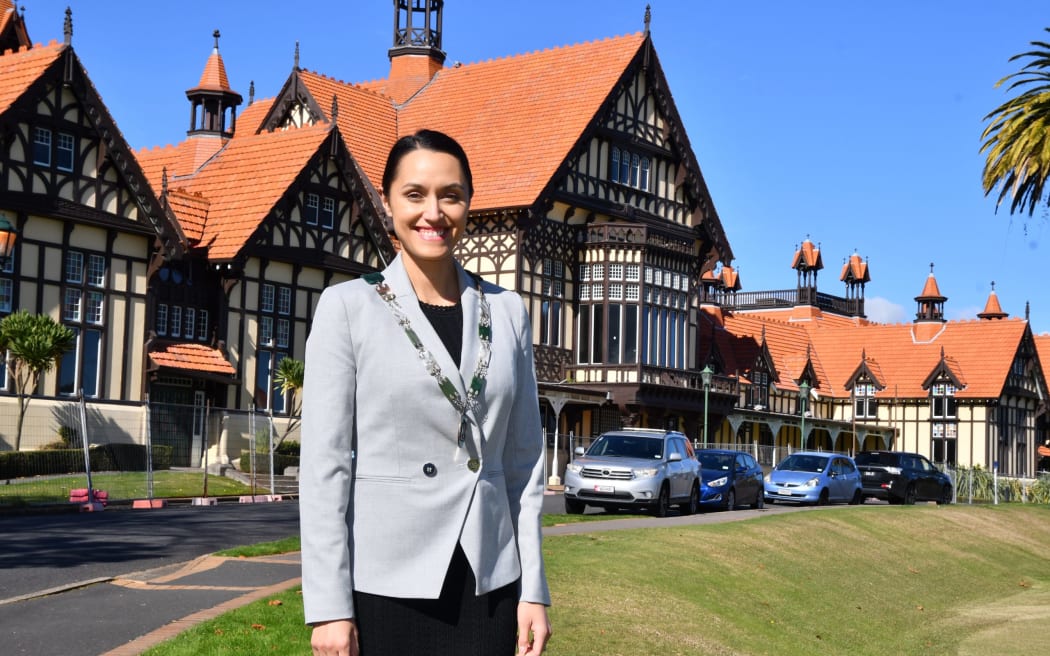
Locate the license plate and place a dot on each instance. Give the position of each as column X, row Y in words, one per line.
column 869, row 473
column 784, row 491
column 609, row 489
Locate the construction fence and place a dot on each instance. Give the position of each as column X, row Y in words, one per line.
column 132, row 451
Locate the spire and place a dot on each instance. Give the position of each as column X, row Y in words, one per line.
column 992, row 309
column 67, row 27
column 416, row 56
column 214, row 102
column 648, row 18
column 931, row 302
column 295, row 62
column 807, row 262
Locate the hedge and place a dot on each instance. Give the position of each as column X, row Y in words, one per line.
column 108, row 457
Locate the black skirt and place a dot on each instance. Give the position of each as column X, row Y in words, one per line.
column 459, row 623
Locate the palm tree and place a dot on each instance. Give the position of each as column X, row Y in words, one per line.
column 288, row 379
column 33, row 343
column 1017, row 140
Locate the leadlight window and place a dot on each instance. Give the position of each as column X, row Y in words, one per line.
column 630, row 169
column 759, row 389
column 266, row 331
column 83, row 306
column 274, row 337
column 283, row 332
column 284, row 300
column 162, row 319
column 311, row 209
column 202, row 325
column 190, row 322
column 552, row 288
column 64, row 152
column 864, row 402
column 42, row 146
column 266, row 303
column 328, row 213
column 943, row 400
column 176, row 321
column 632, row 272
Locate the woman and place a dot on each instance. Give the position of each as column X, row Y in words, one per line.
column 422, row 454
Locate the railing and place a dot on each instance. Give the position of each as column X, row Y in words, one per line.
column 785, row 298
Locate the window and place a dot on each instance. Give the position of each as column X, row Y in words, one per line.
column 190, row 322
column 284, row 300
column 162, row 319
column 96, row 270
column 310, row 210
column 42, row 146
column 202, row 325
column 328, row 213
column 552, row 287
column 176, row 321
column 7, row 295
column 943, row 400
column 93, row 308
column 283, row 331
column 64, row 152
column 265, row 331
column 630, row 169
column 74, row 267
column 864, row 404
column 760, row 389
column 266, row 303
column 71, row 305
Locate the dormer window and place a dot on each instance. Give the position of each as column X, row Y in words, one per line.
column 759, row 390
column 864, row 403
column 942, row 396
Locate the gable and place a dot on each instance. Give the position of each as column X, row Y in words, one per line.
column 65, row 157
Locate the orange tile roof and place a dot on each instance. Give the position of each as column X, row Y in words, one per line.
column 251, row 117
column 809, row 255
column 246, row 180
column 192, row 357
column 979, row 353
column 367, row 121
column 992, row 309
column 787, row 345
column 192, row 211
column 518, row 118
column 930, row 289
column 213, row 78
column 855, row 269
column 20, row 69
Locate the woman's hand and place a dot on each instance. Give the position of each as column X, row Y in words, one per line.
column 534, row 629
column 335, row 638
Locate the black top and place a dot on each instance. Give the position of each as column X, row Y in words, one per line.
column 447, row 321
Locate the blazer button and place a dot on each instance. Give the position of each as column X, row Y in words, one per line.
column 430, row 470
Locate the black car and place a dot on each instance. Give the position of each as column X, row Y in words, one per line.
column 900, row 477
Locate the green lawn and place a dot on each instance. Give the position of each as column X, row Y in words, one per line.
column 131, row 485
column 847, row 580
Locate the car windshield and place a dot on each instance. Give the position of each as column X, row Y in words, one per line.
column 803, row 463
column 881, row 459
column 628, row 446
column 720, row 461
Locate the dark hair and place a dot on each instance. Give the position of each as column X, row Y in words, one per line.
column 439, row 142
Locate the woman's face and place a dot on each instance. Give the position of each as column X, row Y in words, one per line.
column 428, row 204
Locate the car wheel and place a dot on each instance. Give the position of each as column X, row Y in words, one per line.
column 759, row 501
column 730, row 499
column 663, row 502
column 771, row 502
column 574, row 507
column 946, row 495
column 692, row 506
column 857, row 498
column 823, row 500
column 909, row 495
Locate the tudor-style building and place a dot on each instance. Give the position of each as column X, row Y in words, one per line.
column 89, row 227
column 968, row 393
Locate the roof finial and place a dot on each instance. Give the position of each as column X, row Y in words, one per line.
column 1027, row 307
column 931, row 268
column 296, row 65
column 648, row 18
column 164, row 181
column 216, row 35
column 993, row 286
column 251, row 92
column 67, row 26
column 335, row 107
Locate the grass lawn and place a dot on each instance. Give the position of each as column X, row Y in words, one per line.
column 846, row 580
column 129, row 485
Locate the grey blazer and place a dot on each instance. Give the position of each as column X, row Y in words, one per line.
column 385, row 491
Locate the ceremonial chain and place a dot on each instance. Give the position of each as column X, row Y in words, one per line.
column 477, row 382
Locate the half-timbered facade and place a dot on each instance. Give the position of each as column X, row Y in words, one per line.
column 89, row 226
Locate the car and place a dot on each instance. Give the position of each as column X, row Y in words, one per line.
column 649, row 469
column 902, row 477
column 729, row 478
column 814, row 477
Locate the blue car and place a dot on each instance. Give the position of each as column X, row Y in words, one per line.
column 728, row 479
column 815, row 477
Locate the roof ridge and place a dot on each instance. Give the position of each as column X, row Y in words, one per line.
column 353, row 85
column 554, row 48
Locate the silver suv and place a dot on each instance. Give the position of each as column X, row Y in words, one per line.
column 631, row 468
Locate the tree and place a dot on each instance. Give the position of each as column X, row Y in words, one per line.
column 288, row 379
column 1017, row 140
column 33, row 343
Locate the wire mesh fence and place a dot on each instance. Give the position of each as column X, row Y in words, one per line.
column 72, row 451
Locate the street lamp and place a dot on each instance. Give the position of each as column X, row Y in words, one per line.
column 7, row 239
column 705, row 375
column 803, row 400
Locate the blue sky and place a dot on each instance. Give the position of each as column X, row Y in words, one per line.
column 855, row 123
